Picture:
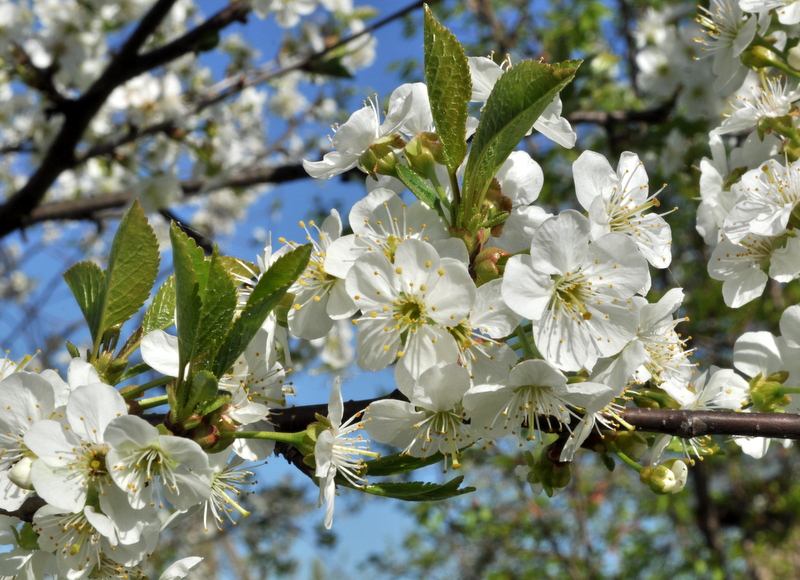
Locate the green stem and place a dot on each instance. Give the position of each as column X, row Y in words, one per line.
column 527, row 349
column 625, row 458
column 759, row 40
column 295, row 439
column 153, row 402
column 129, row 393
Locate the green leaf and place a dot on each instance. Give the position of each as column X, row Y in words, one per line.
column 419, row 491
column 449, row 89
column 418, row 186
column 266, row 294
column 517, row 100
column 203, row 390
column 216, row 314
column 132, row 268
column 161, row 313
column 400, row 463
column 88, row 285
column 187, row 297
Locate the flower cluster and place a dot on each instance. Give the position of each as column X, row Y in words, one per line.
column 102, row 472
column 498, row 317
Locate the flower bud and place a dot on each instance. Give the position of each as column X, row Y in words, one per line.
column 490, row 265
column 206, row 436
column 381, row 158
column 794, row 57
column 20, row 474
column 498, row 207
column 768, row 394
column 669, row 477
column 760, row 57
column 545, row 474
column 423, row 153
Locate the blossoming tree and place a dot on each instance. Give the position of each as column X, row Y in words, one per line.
column 500, row 319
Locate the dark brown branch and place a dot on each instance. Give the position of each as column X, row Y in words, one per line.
column 687, row 424
column 38, row 78
column 236, row 11
column 77, row 116
column 684, row 424
column 234, row 86
column 26, row 510
column 88, row 208
column 626, row 24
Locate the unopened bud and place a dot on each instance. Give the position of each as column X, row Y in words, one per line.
column 381, row 158
column 20, row 474
column 206, row 436
column 794, row 57
column 490, row 265
column 669, row 477
column 760, row 57
column 769, row 394
column 423, row 153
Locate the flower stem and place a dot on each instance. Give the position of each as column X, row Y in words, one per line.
column 630, row 462
column 153, row 402
column 295, row 439
column 133, row 391
column 527, row 349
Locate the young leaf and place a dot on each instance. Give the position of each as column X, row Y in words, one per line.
column 187, row 296
column 132, row 268
column 418, row 186
column 88, row 285
column 216, row 314
column 161, row 313
column 419, row 491
column 203, row 390
column 266, row 294
column 399, row 463
column 517, row 100
column 449, row 89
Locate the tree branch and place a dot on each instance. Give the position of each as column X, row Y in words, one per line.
column 655, row 115
column 232, row 86
column 236, row 11
column 684, row 424
column 77, row 116
column 88, row 208
column 687, row 424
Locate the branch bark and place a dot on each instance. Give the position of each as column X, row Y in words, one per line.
column 88, row 208
column 684, row 424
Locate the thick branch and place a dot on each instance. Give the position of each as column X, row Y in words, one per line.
column 687, row 424
column 236, row 11
column 77, row 116
column 26, row 510
column 296, row 419
column 684, row 424
column 90, row 207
